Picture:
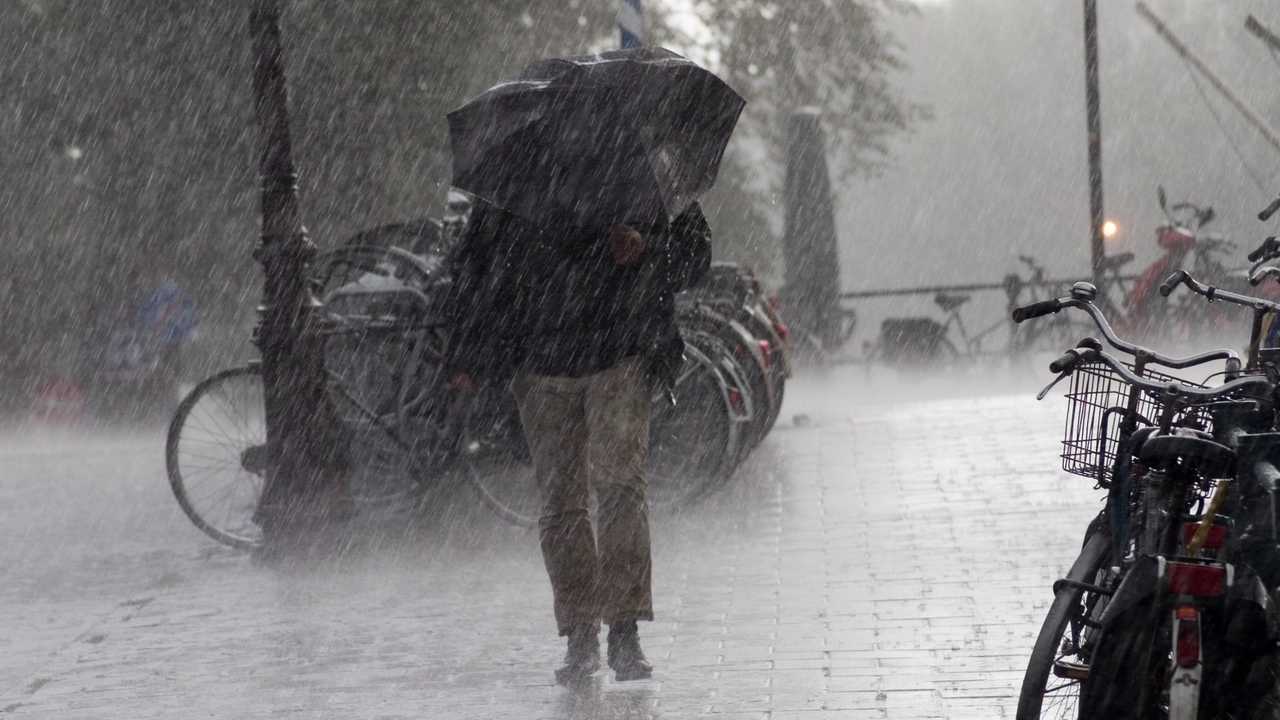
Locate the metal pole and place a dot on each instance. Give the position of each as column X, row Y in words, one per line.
column 302, row 471
column 1252, row 25
column 1186, row 54
column 1094, row 119
column 630, row 24
column 971, row 287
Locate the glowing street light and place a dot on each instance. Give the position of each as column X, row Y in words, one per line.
column 1109, row 229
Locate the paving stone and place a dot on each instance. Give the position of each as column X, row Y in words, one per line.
column 884, row 561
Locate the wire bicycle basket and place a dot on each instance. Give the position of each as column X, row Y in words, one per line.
column 1097, row 404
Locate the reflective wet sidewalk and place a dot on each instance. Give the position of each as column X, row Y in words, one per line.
column 872, row 559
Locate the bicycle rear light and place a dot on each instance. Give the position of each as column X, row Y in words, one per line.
column 1216, row 538
column 783, row 332
column 1187, row 643
column 735, row 397
column 764, row 349
column 1194, row 579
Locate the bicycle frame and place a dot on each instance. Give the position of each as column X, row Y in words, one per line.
column 1159, row 557
column 1261, row 308
column 1020, row 292
column 972, row 344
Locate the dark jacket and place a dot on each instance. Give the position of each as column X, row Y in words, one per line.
column 555, row 302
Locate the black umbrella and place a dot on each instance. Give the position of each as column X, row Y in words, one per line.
column 624, row 136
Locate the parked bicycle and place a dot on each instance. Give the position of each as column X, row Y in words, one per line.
column 1187, row 245
column 729, row 304
column 1052, row 333
column 915, row 341
column 1166, row 612
column 403, row 430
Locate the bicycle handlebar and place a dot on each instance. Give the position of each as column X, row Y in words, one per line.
column 1068, row 362
column 1081, row 298
column 1088, row 355
column 1182, row 277
column 1036, row 309
column 1174, row 281
column 1268, row 249
column 1261, row 274
column 1269, row 210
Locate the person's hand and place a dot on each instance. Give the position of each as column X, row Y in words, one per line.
column 625, row 242
column 462, row 381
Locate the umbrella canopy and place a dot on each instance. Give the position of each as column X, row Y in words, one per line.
column 629, row 136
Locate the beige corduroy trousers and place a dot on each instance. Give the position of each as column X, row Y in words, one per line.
column 592, row 434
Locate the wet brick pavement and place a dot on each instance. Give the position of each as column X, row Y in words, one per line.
column 871, row 560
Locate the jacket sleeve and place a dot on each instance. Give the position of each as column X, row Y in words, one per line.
column 684, row 251
column 484, row 337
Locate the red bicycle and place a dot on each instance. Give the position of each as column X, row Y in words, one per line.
column 1187, row 246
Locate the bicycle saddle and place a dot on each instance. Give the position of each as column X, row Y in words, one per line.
column 1209, row 458
column 1139, row 438
column 950, row 302
column 1115, row 262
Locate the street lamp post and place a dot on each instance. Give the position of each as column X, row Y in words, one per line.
column 303, row 481
column 630, row 24
column 1094, row 119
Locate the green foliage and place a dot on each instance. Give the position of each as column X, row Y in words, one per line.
column 832, row 54
column 132, row 148
column 836, row 55
column 131, row 139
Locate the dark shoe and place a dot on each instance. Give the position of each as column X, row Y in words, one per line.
column 583, row 658
column 625, row 656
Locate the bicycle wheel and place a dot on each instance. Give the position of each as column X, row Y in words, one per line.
column 507, row 486
column 692, row 445
column 949, row 355
column 1059, row 661
column 1131, row 665
column 779, row 393
column 216, row 455
column 736, row 343
column 779, row 365
column 1134, row 675
column 380, row 384
column 495, row 458
column 737, row 408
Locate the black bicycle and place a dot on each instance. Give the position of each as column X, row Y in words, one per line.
column 404, row 430
column 1166, row 612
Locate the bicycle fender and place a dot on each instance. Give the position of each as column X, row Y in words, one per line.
column 1142, row 581
column 1254, row 618
column 1253, row 625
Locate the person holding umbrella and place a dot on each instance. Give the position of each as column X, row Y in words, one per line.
column 586, row 172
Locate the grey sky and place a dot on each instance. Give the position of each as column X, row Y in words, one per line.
column 1001, row 170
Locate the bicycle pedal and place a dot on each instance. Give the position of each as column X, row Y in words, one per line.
column 1070, row 670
